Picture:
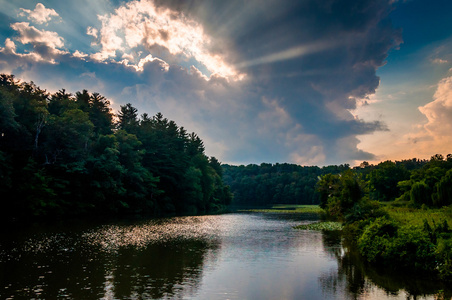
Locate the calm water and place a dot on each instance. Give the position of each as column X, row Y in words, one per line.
column 233, row 256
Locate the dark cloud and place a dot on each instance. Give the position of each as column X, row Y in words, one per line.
column 319, row 87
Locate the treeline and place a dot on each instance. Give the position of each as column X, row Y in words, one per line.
column 413, row 182
column 63, row 154
column 266, row 184
column 397, row 213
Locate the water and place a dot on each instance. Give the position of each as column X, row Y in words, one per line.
column 233, row 256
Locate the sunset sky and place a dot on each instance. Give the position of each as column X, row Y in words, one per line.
column 308, row 82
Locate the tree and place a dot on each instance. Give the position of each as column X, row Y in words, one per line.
column 340, row 193
column 442, row 195
column 61, row 102
column 128, row 118
column 83, row 99
column 100, row 114
column 384, row 178
column 59, row 156
column 419, row 193
column 68, row 136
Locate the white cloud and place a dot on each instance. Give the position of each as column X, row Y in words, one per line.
column 31, row 35
column 10, row 59
column 40, row 14
column 139, row 24
column 45, row 44
column 439, row 111
column 139, row 67
column 79, row 54
column 92, row 32
column 10, row 47
column 435, row 135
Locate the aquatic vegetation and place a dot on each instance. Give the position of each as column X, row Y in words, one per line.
column 325, row 226
column 287, row 209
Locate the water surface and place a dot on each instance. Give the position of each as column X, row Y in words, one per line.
column 232, row 256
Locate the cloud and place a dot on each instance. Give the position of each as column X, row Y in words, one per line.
column 31, row 35
column 45, row 46
column 307, row 65
column 10, row 59
column 79, row 54
column 139, row 26
column 40, row 14
column 433, row 135
column 439, row 116
column 284, row 55
column 139, row 67
column 440, row 61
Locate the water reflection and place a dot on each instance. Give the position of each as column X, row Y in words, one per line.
column 157, row 271
column 361, row 281
column 236, row 256
column 156, row 259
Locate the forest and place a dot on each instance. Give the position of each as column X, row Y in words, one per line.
column 267, row 184
column 68, row 155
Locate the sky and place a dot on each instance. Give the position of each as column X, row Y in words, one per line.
column 307, row 82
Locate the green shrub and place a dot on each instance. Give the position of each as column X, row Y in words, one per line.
column 411, row 249
column 364, row 210
column 376, row 239
column 353, row 231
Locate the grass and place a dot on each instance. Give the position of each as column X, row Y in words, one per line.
column 415, row 217
column 288, row 208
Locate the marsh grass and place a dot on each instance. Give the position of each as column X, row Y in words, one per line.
column 288, row 209
column 324, row 226
column 415, row 217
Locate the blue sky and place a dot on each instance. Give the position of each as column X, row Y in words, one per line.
column 307, row 82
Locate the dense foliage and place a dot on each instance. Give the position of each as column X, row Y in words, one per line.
column 359, row 198
column 267, row 184
column 64, row 154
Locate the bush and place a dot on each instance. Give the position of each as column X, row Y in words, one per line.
column 409, row 247
column 375, row 239
column 364, row 210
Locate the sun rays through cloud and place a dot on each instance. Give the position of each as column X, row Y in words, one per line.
column 139, row 29
column 288, row 54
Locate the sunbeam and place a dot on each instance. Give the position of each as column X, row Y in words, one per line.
column 291, row 53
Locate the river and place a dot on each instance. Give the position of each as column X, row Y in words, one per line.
column 230, row 256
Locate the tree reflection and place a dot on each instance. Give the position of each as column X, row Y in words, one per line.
column 160, row 271
column 63, row 265
column 357, row 278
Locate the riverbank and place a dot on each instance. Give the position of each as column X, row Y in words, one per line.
column 406, row 238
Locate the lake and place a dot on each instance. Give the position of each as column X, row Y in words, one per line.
column 230, row 256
